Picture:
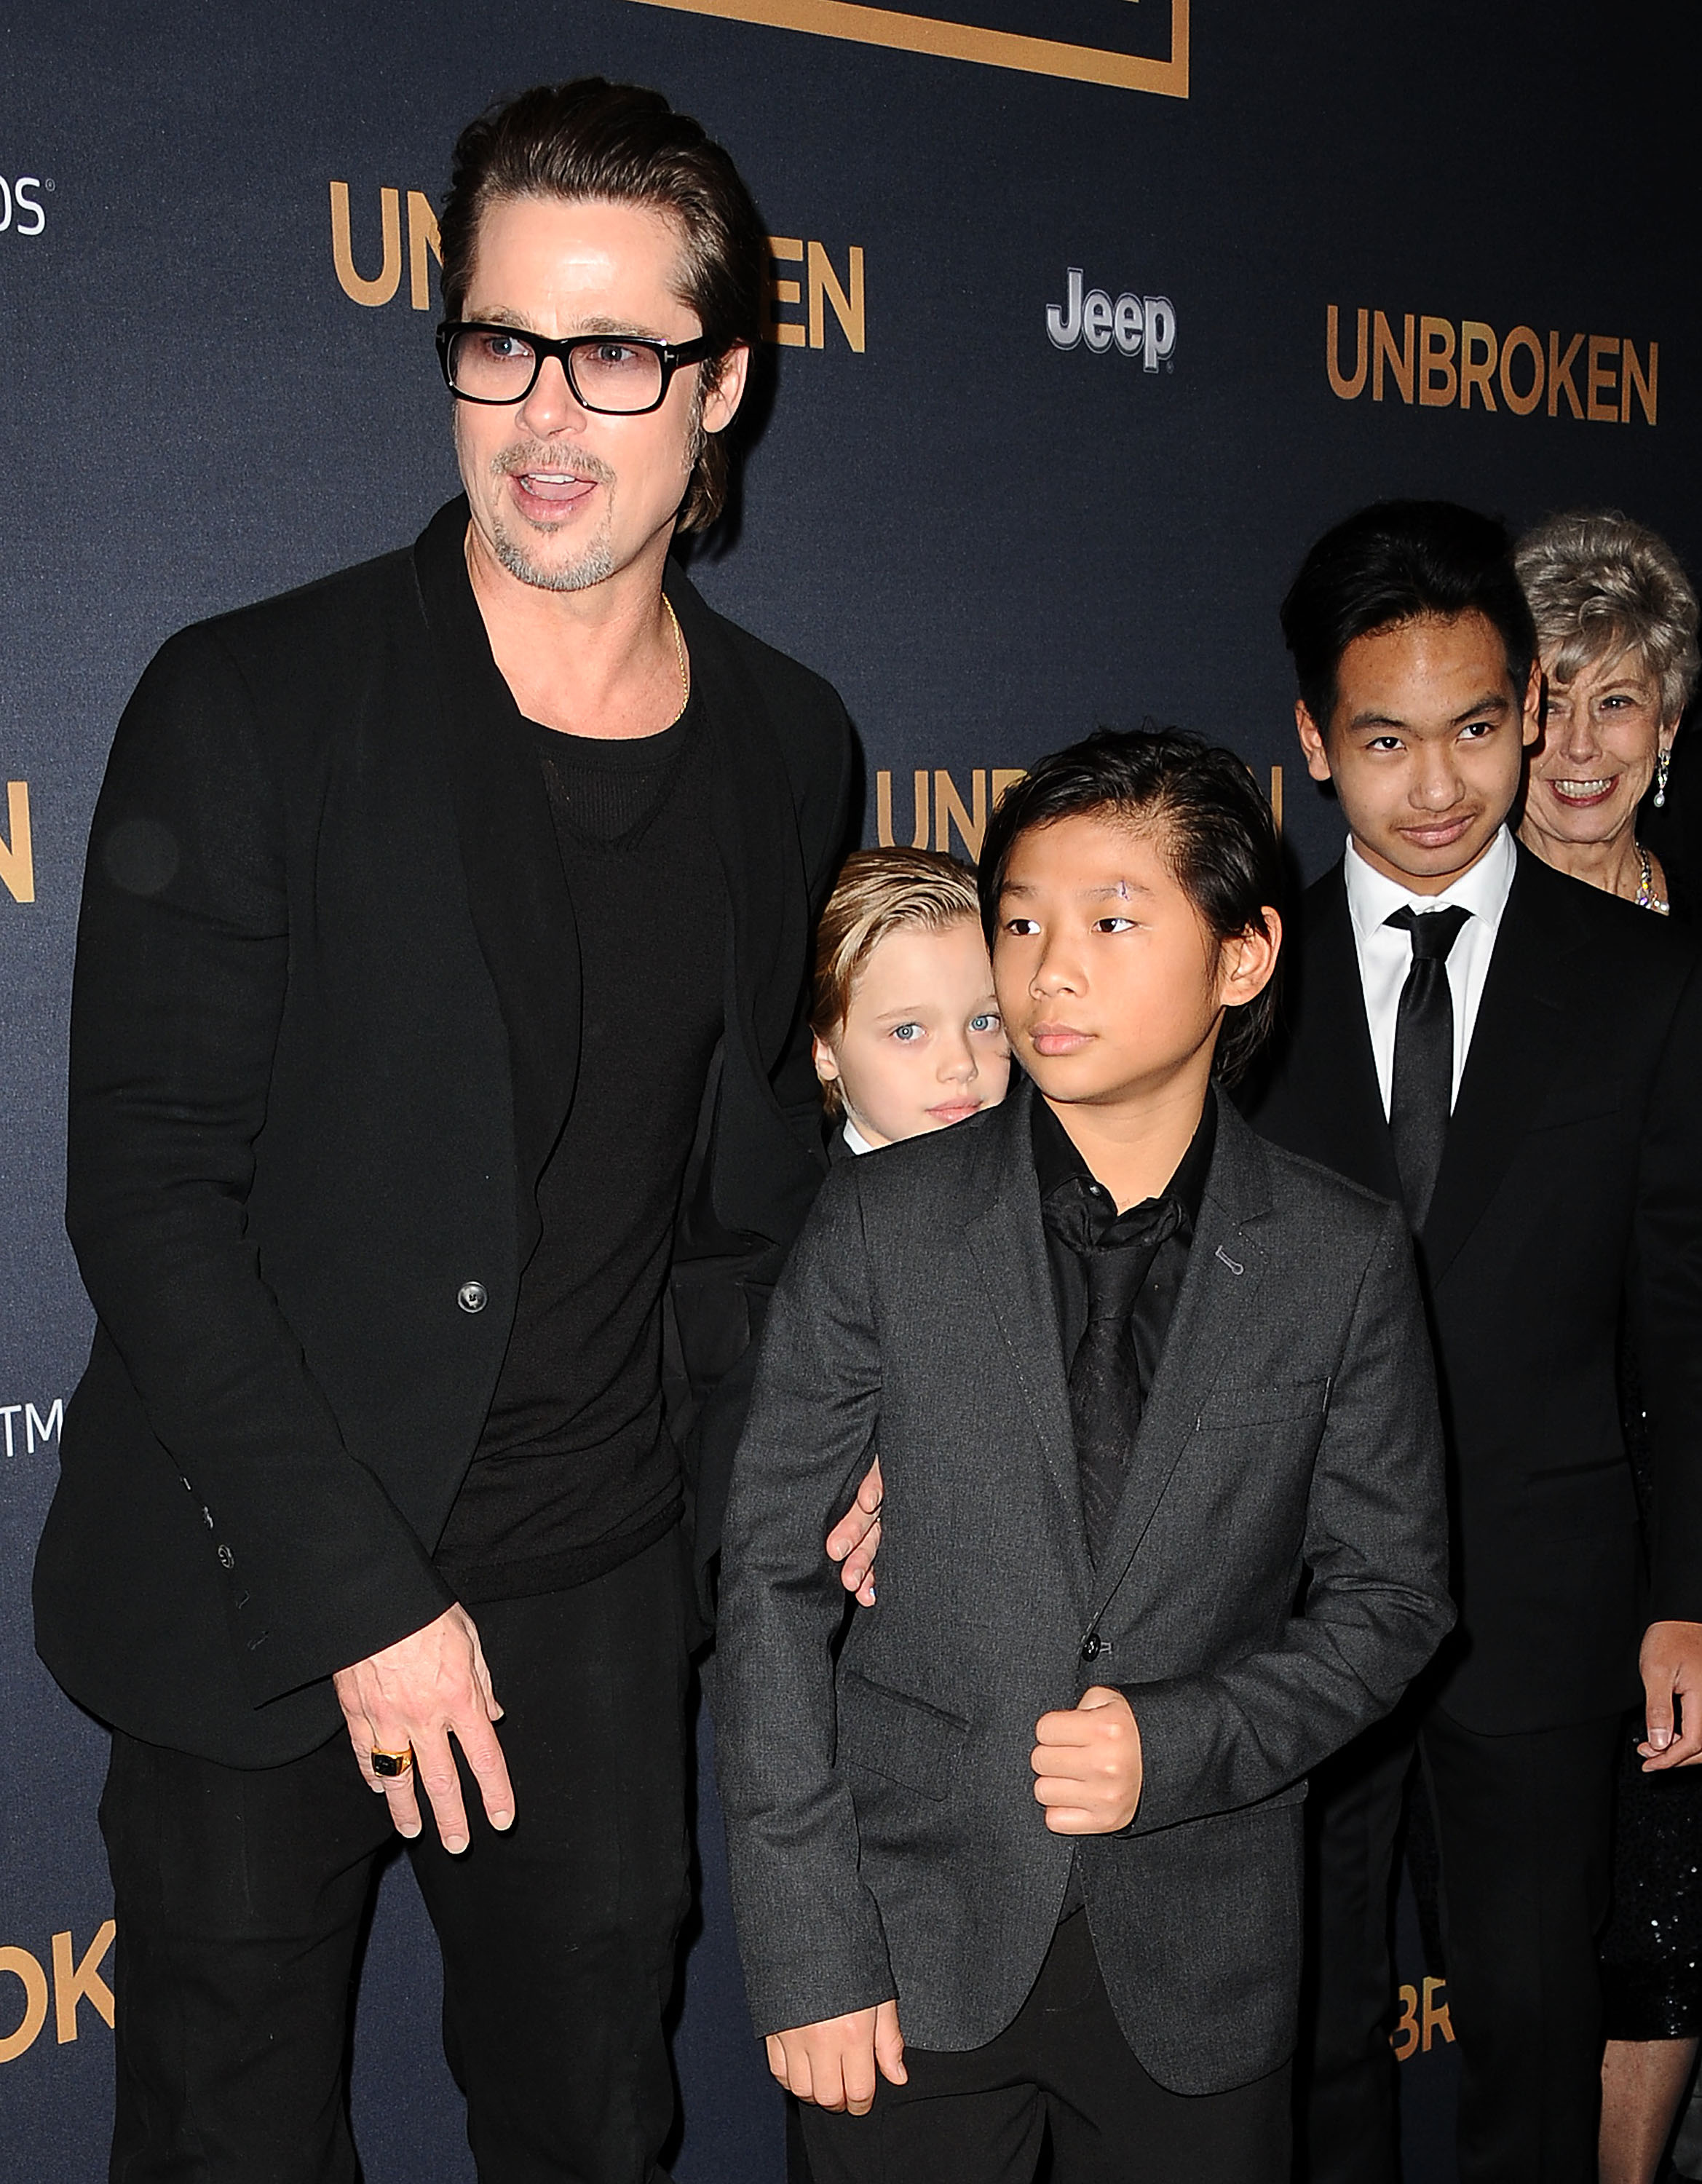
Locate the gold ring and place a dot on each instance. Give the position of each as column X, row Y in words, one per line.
column 392, row 1762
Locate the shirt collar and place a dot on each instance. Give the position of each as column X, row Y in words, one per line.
column 855, row 1137
column 1483, row 890
column 1059, row 1168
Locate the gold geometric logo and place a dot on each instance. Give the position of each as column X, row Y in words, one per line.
column 957, row 40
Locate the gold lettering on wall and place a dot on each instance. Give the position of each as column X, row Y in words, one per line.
column 949, row 812
column 1438, row 381
column 1422, row 2020
column 942, row 817
column 17, row 856
column 1522, row 342
column 75, row 1979
column 1344, row 386
column 1398, row 360
column 80, row 1982
column 388, row 279
column 825, row 288
column 818, row 291
column 1478, row 349
column 781, row 289
column 1600, row 379
column 939, row 809
column 23, row 1968
column 422, row 238
column 1646, row 387
column 424, row 244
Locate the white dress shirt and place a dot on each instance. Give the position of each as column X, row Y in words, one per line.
column 855, row 1137
column 1385, row 951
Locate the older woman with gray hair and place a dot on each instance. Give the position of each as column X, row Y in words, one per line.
column 1615, row 621
column 1616, row 629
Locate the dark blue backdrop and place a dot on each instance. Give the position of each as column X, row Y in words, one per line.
column 991, row 536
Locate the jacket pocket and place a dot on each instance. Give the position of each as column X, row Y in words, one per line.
column 1568, row 1104
column 1269, row 1405
column 1582, row 1501
column 889, row 1733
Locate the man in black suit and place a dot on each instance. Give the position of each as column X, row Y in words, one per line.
column 440, row 1109
column 1518, row 1059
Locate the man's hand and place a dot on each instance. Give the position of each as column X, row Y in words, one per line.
column 833, row 2064
column 418, row 1692
column 855, row 1539
column 1086, row 1766
column 1671, row 1665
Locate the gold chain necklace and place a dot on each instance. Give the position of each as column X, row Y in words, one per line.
column 679, row 654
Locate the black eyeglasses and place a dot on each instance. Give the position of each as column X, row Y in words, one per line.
column 620, row 375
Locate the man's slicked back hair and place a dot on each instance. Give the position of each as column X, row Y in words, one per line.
column 616, row 143
column 1210, row 818
column 1401, row 561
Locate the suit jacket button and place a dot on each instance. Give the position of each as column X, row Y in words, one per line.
column 1090, row 1646
column 471, row 1296
column 227, row 1559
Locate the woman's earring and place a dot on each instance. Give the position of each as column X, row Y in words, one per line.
column 1663, row 766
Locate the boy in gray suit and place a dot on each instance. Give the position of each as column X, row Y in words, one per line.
column 1160, row 1452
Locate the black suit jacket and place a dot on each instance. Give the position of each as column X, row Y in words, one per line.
column 324, row 1030
column 882, row 1833
column 1569, row 1203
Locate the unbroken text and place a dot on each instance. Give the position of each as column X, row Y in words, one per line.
column 1600, row 379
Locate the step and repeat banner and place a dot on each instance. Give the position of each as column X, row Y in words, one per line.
column 1084, row 317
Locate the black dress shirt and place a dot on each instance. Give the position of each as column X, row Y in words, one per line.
column 1080, row 1216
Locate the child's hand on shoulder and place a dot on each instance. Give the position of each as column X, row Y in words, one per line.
column 1086, row 1764
column 834, row 2063
column 855, row 1539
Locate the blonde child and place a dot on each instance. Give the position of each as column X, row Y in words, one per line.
column 908, row 1034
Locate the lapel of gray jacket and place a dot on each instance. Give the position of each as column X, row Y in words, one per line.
column 1226, row 1266
column 1008, row 1244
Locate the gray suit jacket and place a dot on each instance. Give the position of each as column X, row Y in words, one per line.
column 1278, row 1575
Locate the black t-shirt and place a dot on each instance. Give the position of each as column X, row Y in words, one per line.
column 575, row 1471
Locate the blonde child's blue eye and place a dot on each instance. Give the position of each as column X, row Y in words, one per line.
column 987, row 1023
column 906, row 1033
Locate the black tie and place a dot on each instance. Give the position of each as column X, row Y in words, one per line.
column 1105, row 1378
column 1422, row 1093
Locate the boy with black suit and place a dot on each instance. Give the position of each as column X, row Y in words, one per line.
column 1517, row 1057
column 1134, row 1376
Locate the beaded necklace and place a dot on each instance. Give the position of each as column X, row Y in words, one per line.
column 1646, row 897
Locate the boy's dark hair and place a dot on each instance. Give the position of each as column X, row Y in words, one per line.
column 616, row 143
column 1393, row 562
column 1212, row 822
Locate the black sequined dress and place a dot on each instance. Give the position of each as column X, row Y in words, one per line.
column 1651, row 1953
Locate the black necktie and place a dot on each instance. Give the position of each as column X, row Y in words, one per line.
column 1105, row 1378
column 1422, row 1093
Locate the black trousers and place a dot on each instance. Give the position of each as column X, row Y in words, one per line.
column 241, row 1897
column 1522, row 1826
column 981, row 2117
